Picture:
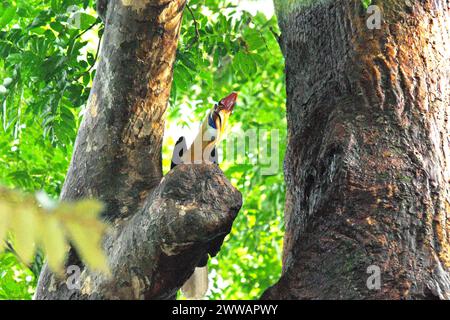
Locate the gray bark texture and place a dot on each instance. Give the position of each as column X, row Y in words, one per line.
column 161, row 227
column 367, row 166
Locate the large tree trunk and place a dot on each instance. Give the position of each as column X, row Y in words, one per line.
column 161, row 229
column 368, row 160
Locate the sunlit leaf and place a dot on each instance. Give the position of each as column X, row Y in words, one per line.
column 86, row 232
column 23, row 226
column 7, row 16
column 51, row 225
column 52, row 239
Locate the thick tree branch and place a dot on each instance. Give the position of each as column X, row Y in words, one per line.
column 117, row 155
column 154, row 253
column 161, row 228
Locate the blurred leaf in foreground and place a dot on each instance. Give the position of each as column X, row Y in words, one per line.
column 31, row 222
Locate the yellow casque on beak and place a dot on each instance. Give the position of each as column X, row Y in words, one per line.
column 221, row 124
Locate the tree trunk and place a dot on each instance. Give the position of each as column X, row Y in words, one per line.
column 368, row 160
column 161, row 229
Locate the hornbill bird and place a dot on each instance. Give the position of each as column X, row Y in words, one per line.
column 203, row 150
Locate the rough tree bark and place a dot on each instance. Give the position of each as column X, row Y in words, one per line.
column 161, row 226
column 368, row 159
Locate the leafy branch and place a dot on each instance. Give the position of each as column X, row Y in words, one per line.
column 197, row 33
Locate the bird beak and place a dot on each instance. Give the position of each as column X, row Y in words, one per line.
column 225, row 107
column 228, row 102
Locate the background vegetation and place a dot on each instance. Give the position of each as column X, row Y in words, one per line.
column 48, row 51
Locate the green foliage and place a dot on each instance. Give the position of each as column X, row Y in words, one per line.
column 16, row 282
column 366, row 3
column 46, row 61
column 46, row 70
column 45, row 66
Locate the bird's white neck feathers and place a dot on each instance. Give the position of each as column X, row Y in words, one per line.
column 203, row 144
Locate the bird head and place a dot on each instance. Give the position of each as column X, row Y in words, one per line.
column 218, row 118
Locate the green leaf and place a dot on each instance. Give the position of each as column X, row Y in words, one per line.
column 7, row 16
column 255, row 40
column 81, row 20
column 366, row 3
column 246, row 63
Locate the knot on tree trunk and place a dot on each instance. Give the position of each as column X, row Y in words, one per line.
column 102, row 5
column 195, row 206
